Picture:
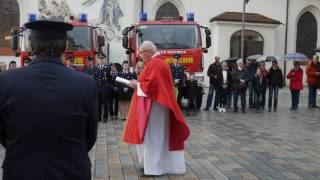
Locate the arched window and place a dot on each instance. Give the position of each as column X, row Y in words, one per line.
column 306, row 34
column 253, row 44
column 167, row 10
column 9, row 13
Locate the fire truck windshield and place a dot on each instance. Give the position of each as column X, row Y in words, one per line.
column 170, row 36
column 79, row 39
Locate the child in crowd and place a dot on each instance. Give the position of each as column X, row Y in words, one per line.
column 192, row 87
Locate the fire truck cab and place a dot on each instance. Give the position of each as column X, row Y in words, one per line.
column 183, row 37
column 83, row 42
column 171, row 37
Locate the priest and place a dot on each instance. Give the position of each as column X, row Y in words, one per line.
column 155, row 121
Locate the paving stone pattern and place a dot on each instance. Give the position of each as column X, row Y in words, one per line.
column 226, row 146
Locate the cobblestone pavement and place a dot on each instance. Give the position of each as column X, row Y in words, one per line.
column 282, row 145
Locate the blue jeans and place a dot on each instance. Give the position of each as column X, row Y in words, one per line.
column 192, row 102
column 229, row 98
column 251, row 94
column 210, row 96
column 312, row 95
column 258, row 100
column 295, row 98
column 242, row 94
column 273, row 94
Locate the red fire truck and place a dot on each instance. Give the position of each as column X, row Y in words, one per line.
column 83, row 42
column 171, row 37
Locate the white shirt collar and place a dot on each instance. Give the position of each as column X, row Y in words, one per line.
column 155, row 55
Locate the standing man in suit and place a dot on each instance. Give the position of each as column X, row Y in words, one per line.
column 178, row 76
column 103, row 78
column 90, row 68
column 48, row 113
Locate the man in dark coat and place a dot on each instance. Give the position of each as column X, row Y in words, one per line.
column 240, row 78
column 212, row 72
column 48, row 113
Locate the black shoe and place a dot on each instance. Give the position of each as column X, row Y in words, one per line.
column 235, row 110
column 194, row 114
column 187, row 114
column 275, row 110
column 105, row 119
column 269, row 110
column 215, row 108
column 243, row 111
column 206, row 109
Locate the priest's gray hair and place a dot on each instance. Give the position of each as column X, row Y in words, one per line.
column 239, row 61
column 148, row 46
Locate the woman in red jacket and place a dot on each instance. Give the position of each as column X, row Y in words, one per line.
column 313, row 75
column 295, row 76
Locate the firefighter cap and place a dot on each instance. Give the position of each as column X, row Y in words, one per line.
column 101, row 56
column 177, row 56
column 48, row 29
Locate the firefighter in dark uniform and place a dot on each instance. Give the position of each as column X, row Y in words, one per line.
column 179, row 77
column 48, row 113
column 103, row 78
column 90, row 67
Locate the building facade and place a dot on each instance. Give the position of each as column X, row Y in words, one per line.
column 274, row 27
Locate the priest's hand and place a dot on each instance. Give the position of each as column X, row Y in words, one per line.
column 133, row 84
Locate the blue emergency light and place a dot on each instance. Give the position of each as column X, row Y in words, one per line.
column 143, row 16
column 83, row 17
column 190, row 16
column 32, row 17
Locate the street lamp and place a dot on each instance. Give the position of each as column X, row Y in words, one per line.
column 245, row 2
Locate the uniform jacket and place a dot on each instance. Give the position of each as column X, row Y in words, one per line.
column 177, row 72
column 295, row 77
column 121, row 87
column 103, row 77
column 311, row 77
column 48, row 121
column 90, row 70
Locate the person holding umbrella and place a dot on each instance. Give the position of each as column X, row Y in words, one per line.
column 275, row 81
column 313, row 75
column 295, row 75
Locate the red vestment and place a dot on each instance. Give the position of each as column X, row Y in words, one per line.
column 156, row 82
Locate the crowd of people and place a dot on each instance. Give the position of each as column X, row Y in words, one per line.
column 4, row 67
column 113, row 98
column 227, row 83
